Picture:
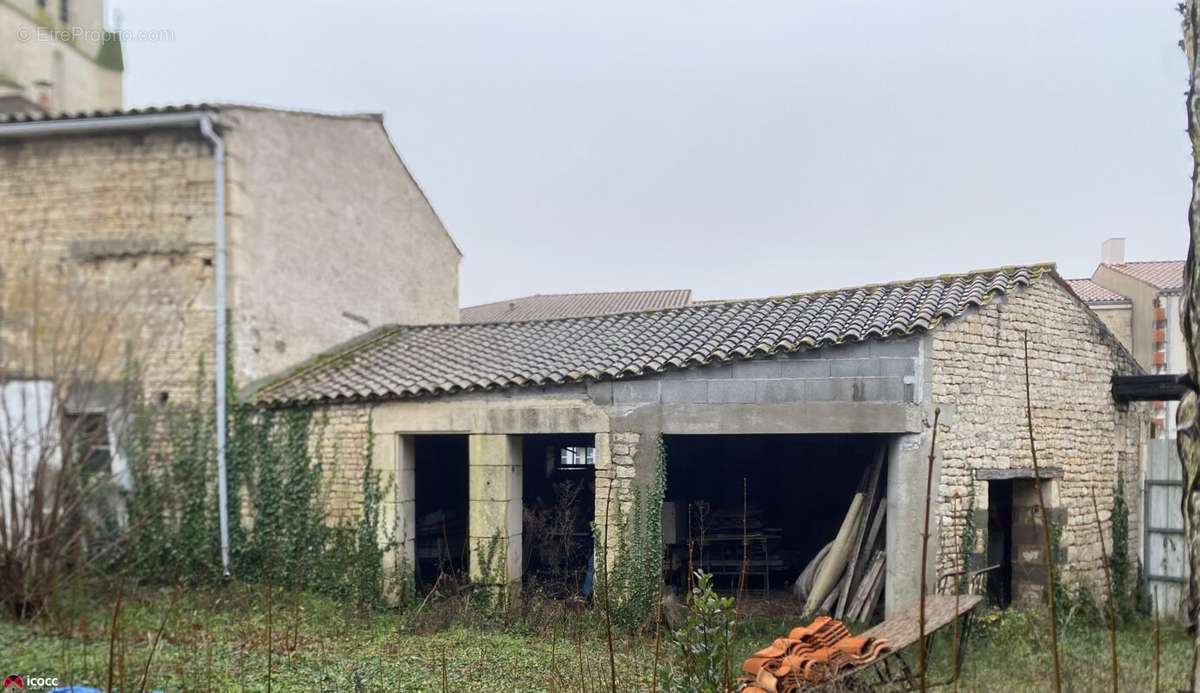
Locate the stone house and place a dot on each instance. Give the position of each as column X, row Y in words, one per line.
column 58, row 56
column 787, row 399
column 117, row 218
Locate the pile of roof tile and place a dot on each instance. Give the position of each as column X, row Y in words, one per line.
column 819, row 652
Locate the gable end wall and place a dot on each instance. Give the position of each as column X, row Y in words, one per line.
column 977, row 378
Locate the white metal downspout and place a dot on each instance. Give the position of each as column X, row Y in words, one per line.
column 220, row 367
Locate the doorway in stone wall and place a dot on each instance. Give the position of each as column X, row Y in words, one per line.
column 999, row 541
column 1014, row 538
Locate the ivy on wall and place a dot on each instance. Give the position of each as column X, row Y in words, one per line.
column 280, row 526
column 636, row 575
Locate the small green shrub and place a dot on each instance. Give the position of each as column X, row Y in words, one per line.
column 704, row 643
column 489, row 595
column 1126, row 583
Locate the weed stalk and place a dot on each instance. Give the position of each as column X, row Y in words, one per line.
column 1112, row 602
column 922, row 665
column 612, row 662
column 157, row 636
column 112, row 629
column 1157, row 642
column 270, row 634
column 954, row 672
column 1046, row 547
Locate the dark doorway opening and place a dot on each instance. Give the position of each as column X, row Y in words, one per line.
column 1000, row 542
column 798, row 489
column 441, row 510
column 558, row 491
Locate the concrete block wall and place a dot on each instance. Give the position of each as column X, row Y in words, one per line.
column 876, row 371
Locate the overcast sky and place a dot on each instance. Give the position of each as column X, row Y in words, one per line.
column 739, row 148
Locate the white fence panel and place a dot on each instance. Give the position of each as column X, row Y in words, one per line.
column 1163, row 543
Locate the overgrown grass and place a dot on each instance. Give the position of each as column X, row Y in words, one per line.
column 318, row 645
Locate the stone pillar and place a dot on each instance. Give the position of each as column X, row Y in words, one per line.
column 396, row 461
column 908, row 462
column 494, row 529
column 615, row 473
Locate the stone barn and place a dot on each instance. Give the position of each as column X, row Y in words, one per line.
column 768, row 408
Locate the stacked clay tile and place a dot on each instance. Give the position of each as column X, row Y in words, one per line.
column 812, row 654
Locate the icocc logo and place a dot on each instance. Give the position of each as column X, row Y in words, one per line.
column 18, row 682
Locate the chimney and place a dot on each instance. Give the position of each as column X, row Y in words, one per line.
column 1112, row 251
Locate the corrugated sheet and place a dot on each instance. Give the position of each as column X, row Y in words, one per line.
column 582, row 305
column 1091, row 292
column 1165, row 275
column 399, row 362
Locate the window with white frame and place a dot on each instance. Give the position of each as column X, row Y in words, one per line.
column 576, row 457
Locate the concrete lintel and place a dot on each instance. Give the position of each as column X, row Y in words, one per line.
column 1018, row 473
column 519, row 416
column 734, row 419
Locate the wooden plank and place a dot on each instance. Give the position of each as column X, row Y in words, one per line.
column 866, row 584
column 876, row 593
column 853, row 569
column 876, row 525
column 901, row 630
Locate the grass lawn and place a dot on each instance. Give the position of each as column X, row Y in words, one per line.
column 218, row 641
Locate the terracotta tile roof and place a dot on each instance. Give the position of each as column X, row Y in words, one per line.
column 1093, row 293
column 582, row 305
column 413, row 361
column 1167, row 274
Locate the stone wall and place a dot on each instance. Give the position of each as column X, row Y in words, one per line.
column 107, row 242
column 341, row 434
column 977, row 378
column 616, row 471
column 116, row 230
